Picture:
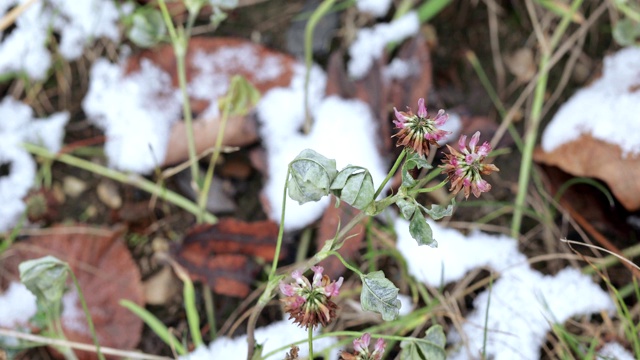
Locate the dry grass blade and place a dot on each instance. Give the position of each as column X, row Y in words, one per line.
column 12, row 15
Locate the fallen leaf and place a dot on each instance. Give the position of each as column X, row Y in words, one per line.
column 222, row 255
column 590, row 157
column 106, row 272
column 210, row 63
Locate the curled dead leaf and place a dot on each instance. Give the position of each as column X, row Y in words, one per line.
column 590, row 157
column 106, row 273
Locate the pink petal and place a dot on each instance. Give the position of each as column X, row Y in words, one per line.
column 441, row 118
column 474, row 141
column 422, row 110
column 483, row 185
column 333, row 289
column 317, row 275
column 362, row 344
column 400, row 116
column 287, row 289
column 380, row 345
column 462, row 143
column 484, row 149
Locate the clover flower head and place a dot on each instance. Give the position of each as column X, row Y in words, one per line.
column 419, row 131
column 309, row 302
column 465, row 168
column 361, row 347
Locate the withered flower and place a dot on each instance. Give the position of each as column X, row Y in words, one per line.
column 419, row 131
column 361, row 347
column 464, row 168
column 309, row 304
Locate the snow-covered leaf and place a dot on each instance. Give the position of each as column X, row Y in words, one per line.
column 421, row 231
column 407, row 208
column 380, row 295
column 354, row 186
column 311, row 176
column 437, row 212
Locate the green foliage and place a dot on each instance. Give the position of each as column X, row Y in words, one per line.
column 626, row 32
column 156, row 325
column 431, row 347
column 45, row 278
column 311, row 176
column 354, row 186
column 241, row 98
column 421, row 231
column 148, row 28
column 379, row 295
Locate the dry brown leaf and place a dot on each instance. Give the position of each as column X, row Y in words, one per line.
column 595, row 158
column 221, row 255
column 240, row 130
column 106, row 273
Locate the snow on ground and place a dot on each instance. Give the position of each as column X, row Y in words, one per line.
column 608, row 110
column 370, row 42
column 18, row 125
column 342, row 130
column 272, row 337
column 135, row 111
column 523, row 302
column 77, row 22
column 614, row 351
column 17, row 306
column 376, row 8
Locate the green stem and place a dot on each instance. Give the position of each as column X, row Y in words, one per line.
column 534, row 120
column 210, row 310
column 129, row 179
column 436, row 187
column 310, row 339
column 92, row 329
column 202, row 198
column 393, row 170
column 308, row 56
column 179, row 42
column 345, row 263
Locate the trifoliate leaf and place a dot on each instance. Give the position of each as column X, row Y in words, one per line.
column 407, row 208
column 431, row 348
column 437, row 212
column 421, row 231
column 354, row 186
column 407, row 180
column 148, row 27
column 380, row 295
column 311, row 176
column 45, row 278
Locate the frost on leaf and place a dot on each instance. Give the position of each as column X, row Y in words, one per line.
column 311, row 176
column 380, row 295
column 354, row 186
column 431, row 347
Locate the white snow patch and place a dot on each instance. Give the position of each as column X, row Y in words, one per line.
column 370, row 42
column 77, row 22
column 213, row 79
column 524, row 303
column 73, row 316
column 454, row 126
column 399, row 69
column 136, row 112
column 376, row 8
column 18, row 125
column 342, row 130
column 456, row 254
column 524, row 306
column 17, row 306
column 406, row 304
column 608, row 110
column 273, row 336
column 614, row 351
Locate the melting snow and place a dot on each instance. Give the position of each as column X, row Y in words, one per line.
column 17, row 125
column 374, row 7
column 77, row 22
column 17, row 306
column 135, row 111
column 524, row 302
column 273, row 336
column 370, row 42
column 608, row 110
column 614, row 351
